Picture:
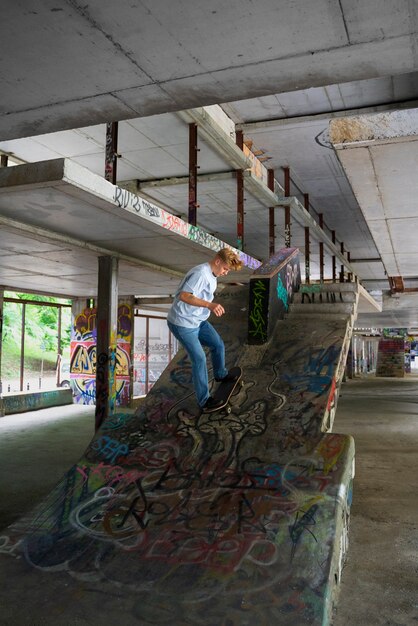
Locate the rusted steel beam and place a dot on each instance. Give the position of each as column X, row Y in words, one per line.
column 22, row 345
column 111, row 155
column 307, row 243
column 321, row 249
column 192, row 174
column 272, row 226
column 239, row 138
column 334, row 259
column 396, row 284
column 287, row 225
column 342, row 265
column 349, row 275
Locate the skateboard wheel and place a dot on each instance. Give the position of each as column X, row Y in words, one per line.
column 228, row 410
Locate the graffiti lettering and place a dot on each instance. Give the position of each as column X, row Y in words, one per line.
column 282, row 293
column 257, row 314
column 111, row 449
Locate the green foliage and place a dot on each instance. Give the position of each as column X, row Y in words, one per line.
column 41, row 333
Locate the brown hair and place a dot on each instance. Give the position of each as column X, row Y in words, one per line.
column 231, row 258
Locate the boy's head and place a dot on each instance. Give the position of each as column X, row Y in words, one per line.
column 225, row 261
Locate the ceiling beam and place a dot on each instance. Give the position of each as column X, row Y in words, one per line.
column 176, row 180
column 216, row 137
column 302, row 119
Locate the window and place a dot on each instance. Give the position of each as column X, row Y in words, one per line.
column 154, row 348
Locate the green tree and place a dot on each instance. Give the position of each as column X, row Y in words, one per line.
column 41, row 332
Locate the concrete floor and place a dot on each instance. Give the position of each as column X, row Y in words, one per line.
column 36, row 449
column 380, row 580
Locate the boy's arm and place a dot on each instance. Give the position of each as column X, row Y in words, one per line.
column 189, row 298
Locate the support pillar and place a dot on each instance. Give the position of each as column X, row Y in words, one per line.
column 272, row 226
column 107, row 326
column 321, row 249
column 4, row 160
column 287, row 230
column 240, row 195
column 193, row 174
column 307, row 244
column 111, row 155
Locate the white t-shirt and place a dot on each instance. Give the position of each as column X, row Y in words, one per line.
column 201, row 282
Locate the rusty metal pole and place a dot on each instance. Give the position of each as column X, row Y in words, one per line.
column 342, row 266
column 321, row 249
column 287, row 231
column 4, row 160
column 334, row 259
column 59, row 349
column 111, row 155
column 272, row 227
column 192, row 174
column 240, row 195
column 307, row 244
column 349, row 275
column 22, row 346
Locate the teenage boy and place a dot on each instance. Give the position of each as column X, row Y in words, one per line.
column 187, row 320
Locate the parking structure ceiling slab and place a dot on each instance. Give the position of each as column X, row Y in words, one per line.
column 57, row 218
column 281, row 73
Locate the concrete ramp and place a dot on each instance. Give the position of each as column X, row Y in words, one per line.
column 179, row 519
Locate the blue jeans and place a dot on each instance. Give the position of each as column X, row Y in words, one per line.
column 192, row 340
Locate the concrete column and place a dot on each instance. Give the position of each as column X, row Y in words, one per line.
column 107, row 325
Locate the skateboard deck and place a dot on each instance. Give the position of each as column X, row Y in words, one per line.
column 225, row 391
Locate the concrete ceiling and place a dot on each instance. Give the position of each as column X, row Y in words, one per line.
column 281, row 72
column 87, row 217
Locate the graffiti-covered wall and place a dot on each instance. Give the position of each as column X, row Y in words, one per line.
column 271, row 292
column 391, row 358
column 83, row 352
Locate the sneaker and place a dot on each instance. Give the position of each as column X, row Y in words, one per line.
column 212, row 405
column 228, row 378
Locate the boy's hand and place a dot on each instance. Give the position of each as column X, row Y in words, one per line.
column 217, row 309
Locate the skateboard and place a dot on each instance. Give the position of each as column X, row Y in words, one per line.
column 225, row 391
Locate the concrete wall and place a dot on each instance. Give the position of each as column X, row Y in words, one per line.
column 391, row 358
column 32, row 400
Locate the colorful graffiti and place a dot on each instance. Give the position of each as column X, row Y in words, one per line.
column 130, row 201
column 271, row 292
column 258, row 314
column 84, row 360
column 189, row 518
